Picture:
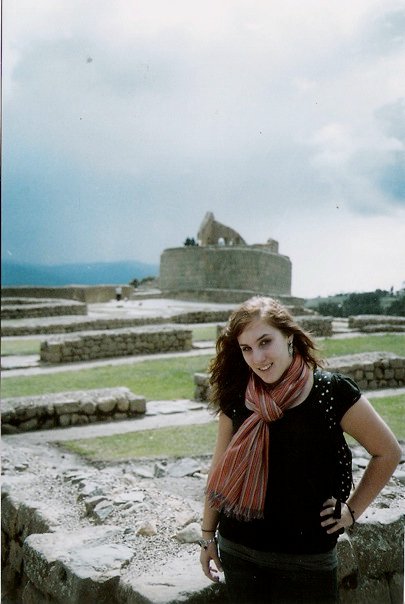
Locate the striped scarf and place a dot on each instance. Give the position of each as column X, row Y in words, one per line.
column 238, row 483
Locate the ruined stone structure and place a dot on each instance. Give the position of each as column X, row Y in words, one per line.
column 212, row 233
column 223, row 268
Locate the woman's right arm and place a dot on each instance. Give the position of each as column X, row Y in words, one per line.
column 210, row 516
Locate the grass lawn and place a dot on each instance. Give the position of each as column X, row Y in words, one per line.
column 20, row 346
column 178, row 441
column 194, row 440
column 330, row 347
column 155, row 379
column 169, row 378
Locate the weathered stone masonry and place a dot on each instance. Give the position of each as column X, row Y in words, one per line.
column 115, row 343
column 76, row 408
column 371, row 370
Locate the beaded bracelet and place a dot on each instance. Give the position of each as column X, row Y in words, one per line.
column 204, row 543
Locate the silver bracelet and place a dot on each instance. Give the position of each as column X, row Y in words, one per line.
column 204, row 543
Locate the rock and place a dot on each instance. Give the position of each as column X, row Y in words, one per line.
column 125, row 498
column 147, row 529
column 91, row 503
column 143, row 472
column 102, row 510
column 80, row 566
column 400, row 476
column 89, row 489
column 190, row 534
column 183, row 467
column 179, row 580
column 185, row 518
column 160, row 469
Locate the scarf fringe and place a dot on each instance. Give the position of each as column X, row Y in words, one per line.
column 221, row 504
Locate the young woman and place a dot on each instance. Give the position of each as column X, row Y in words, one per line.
column 279, row 489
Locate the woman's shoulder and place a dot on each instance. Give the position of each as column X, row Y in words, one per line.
column 336, row 391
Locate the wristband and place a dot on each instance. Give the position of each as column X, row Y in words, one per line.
column 204, row 543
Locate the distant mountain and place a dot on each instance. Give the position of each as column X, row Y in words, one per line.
column 94, row 273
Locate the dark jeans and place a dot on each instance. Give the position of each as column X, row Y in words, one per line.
column 249, row 583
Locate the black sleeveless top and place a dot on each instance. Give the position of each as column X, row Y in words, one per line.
column 309, row 461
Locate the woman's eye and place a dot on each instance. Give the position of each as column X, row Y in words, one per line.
column 264, row 342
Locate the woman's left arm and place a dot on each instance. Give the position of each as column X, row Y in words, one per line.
column 365, row 425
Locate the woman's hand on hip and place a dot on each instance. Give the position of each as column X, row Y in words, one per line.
column 210, row 562
column 335, row 516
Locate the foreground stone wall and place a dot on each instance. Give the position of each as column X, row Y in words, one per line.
column 44, row 308
column 371, row 371
column 115, row 343
column 236, row 268
column 76, row 408
column 44, row 562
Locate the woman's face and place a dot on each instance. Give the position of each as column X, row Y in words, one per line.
column 265, row 350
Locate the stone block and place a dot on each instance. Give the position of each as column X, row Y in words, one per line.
column 73, row 567
column 385, row 529
column 67, row 406
column 368, row 591
column 347, row 561
column 65, row 420
column 32, row 595
column 9, row 515
column 396, row 587
column 123, row 405
column 28, row 425
column 106, row 404
column 137, row 404
column 179, row 580
column 15, row 555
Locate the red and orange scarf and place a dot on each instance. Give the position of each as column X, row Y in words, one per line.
column 238, row 483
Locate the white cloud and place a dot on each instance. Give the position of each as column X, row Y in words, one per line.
column 272, row 115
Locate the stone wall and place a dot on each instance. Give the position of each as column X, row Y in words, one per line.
column 90, row 294
column 77, row 408
column 45, row 563
column 90, row 345
column 43, row 308
column 316, row 325
column 213, row 269
column 371, row 371
column 374, row 323
column 72, row 324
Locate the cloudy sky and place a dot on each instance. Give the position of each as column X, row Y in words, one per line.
column 125, row 122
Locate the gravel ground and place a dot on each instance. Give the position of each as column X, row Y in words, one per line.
column 55, row 481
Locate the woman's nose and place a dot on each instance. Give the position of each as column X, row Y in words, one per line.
column 258, row 356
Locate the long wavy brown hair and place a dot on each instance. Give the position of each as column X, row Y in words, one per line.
column 229, row 371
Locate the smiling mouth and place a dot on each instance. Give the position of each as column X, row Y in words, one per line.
column 266, row 367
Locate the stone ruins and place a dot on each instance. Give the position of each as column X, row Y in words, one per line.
column 223, row 268
column 126, row 532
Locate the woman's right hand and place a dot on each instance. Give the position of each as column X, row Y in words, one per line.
column 210, row 562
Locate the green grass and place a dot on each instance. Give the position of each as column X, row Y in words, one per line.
column 205, row 333
column 155, row 379
column 20, row 346
column 330, row 347
column 169, row 378
column 181, row 441
column 194, row 440
column 392, row 410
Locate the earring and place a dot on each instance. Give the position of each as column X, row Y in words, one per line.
column 290, row 348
